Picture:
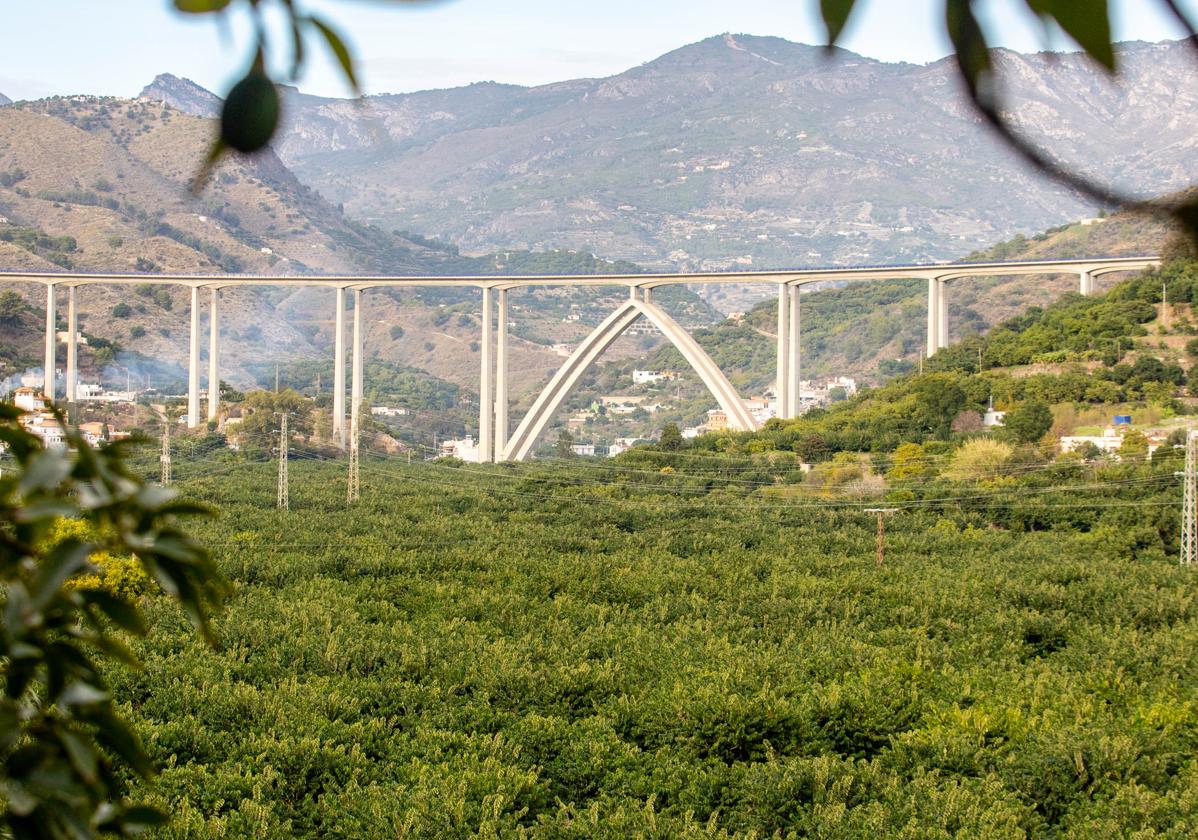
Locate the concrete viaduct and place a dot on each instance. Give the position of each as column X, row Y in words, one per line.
column 495, row 443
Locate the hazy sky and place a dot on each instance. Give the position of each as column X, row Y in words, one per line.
column 84, row 46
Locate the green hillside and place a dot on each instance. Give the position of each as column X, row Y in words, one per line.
column 873, row 330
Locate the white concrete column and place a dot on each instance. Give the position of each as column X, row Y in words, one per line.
column 633, row 293
column 193, row 363
column 501, row 404
column 356, row 388
column 339, row 369
column 782, row 389
column 51, row 341
column 72, row 346
column 214, row 356
column 942, row 315
column 1086, row 283
column 933, row 315
column 796, row 354
column 486, row 392
column 648, row 295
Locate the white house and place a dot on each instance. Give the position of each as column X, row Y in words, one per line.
column 465, row 449
column 29, row 399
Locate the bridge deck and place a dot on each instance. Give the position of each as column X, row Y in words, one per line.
column 798, row 276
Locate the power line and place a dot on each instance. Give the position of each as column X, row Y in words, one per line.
column 1189, row 504
column 283, row 502
column 164, row 460
column 354, row 487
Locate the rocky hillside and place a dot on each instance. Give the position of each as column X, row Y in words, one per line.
column 874, row 330
column 743, row 150
column 98, row 184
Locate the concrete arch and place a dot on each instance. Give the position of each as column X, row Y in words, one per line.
column 567, row 376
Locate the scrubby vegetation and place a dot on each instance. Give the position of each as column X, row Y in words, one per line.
column 671, row 645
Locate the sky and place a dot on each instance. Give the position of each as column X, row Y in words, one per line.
column 116, row 47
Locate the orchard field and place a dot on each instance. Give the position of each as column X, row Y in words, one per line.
column 474, row 652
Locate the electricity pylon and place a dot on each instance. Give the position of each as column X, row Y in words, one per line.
column 283, row 501
column 1189, row 503
column 353, row 490
column 881, row 547
column 164, row 459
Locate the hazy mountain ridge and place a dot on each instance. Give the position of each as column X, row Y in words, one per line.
column 4, row 100
column 742, row 150
column 100, row 184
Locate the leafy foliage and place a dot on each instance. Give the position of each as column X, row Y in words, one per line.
column 64, row 748
column 612, row 650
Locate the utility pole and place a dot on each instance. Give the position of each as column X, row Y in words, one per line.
column 881, row 512
column 1189, row 503
column 276, row 377
column 1165, row 305
column 353, row 490
column 283, row 502
column 164, row 459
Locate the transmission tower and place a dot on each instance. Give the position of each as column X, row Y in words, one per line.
column 354, row 488
column 165, row 458
column 283, row 501
column 1189, row 504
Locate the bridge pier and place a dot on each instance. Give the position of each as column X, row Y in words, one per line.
column 51, row 342
column 486, row 391
column 356, row 386
column 794, row 392
column 193, row 362
column 1086, row 282
column 72, row 348
column 933, row 316
column 339, row 368
column 782, row 385
column 942, row 315
column 501, row 403
column 214, row 355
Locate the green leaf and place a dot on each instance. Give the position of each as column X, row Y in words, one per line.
column 113, row 732
column 340, row 50
column 121, row 612
column 835, row 14
column 969, row 44
column 201, row 7
column 1088, row 22
column 82, row 694
column 46, row 470
column 83, row 757
column 67, row 558
column 141, row 817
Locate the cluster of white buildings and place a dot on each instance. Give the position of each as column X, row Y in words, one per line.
column 39, row 420
column 1110, row 441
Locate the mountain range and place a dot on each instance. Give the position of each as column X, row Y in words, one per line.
column 741, row 150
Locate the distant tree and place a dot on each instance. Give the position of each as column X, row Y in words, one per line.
column 564, row 448
column 1028, row 422
column 811, row 448
column 1134, row 446
column 981, row 459
column 12, row 307
column 396, row 332
column 908, row 461
column 939, row 397
column 122, row 310
column 137, row 331
column 671, row 438
column 261, row 410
